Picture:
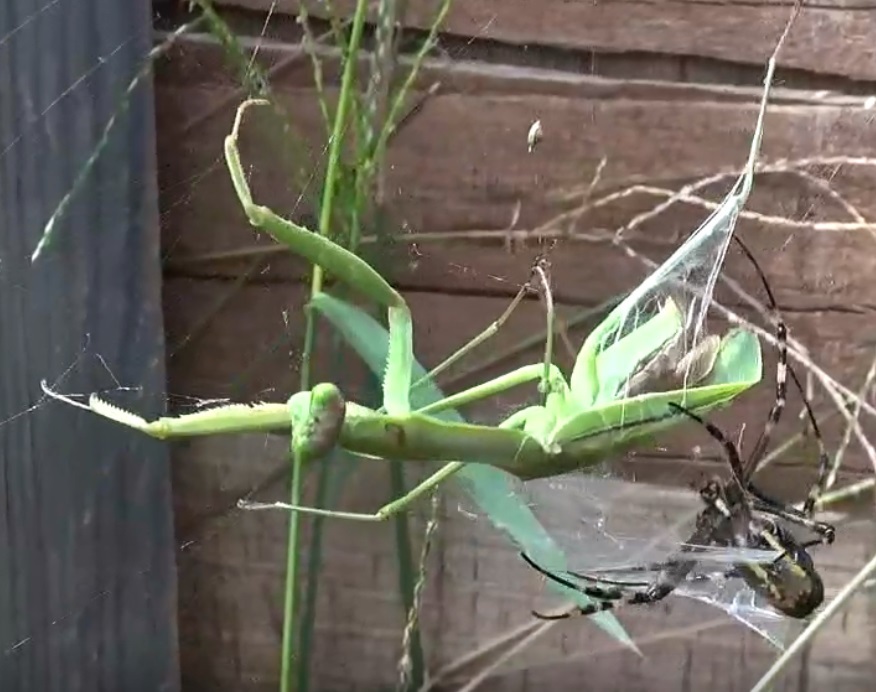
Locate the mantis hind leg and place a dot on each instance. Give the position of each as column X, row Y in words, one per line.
column 389, row 510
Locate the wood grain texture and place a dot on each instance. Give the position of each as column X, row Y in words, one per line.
column 833, row 38
column 87, row 570
column 467, row 154
column 477, row 589
column 461, row 165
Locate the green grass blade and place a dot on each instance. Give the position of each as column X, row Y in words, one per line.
column 491, row 489
column 332, row 474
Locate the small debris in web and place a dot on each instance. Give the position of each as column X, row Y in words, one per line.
column 534, row 136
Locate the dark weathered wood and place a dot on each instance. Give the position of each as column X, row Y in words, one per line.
column 189, row 61
column 87, row 575
column 833, row 38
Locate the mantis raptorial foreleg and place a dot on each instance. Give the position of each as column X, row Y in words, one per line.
column 353, row 270
column 345, row 265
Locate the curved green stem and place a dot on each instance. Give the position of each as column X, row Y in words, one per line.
column 329, row 185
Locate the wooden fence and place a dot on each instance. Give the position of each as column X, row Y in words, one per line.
column 655, row 93
column 87, row 574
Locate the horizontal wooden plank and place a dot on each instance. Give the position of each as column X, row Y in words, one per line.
column 837, row 38
column 461, row 168
column 193, row 60
column 481, row 590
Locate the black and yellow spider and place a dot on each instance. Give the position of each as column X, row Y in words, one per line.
column 737, row 514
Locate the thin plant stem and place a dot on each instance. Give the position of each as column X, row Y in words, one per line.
column 362, row 183
column 395, row 108
column 411, row 658
column 325, row 466
column 308, row 42
column 847, row 434
column 845, row 493
column 377, row 94
column 325, row 217
column 50, row 228
column 334, row 155
column 286, row 666
column 249, row 71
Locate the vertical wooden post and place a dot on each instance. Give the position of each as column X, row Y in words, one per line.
column 87, row 573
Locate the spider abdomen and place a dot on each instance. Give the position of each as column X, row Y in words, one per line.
column 790, row 583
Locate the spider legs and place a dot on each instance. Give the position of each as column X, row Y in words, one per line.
column 782, row 371
column 735, row 516
column 604, row 597
column 726, row 520
column 820, row 484
column 610, row 596
column 781, row 367
column 826, row 532
column 669, row 574
column 764, row 503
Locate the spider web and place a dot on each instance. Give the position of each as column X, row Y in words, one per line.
column 688, row 279
column 606, row 525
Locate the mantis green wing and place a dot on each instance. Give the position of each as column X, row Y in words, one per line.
column 615, row 364
column 617, row 424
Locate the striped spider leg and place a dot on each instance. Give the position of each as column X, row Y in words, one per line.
column 737, row 514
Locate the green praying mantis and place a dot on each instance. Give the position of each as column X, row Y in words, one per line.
column 610, row 402
column 603, row 408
